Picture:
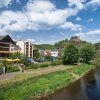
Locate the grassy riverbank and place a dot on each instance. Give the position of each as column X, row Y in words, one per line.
column 81, row 69
column 40, row 85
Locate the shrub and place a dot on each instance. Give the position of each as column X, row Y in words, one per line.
column 12, row 69
column 70, row 55
column 43, row 65
column 57, row 62
column 34, row 66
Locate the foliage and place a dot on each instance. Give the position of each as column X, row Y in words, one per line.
column 25, row 62
column 44, row 46
column 36, row 54
column 43, row 65
column 97, row 46
column 1, row 64
column 81, row 69
column 12, row 69
column 16, row 55
column 61, row 44
column 96, row 60
column 57, row 62
column 87, row 53
column 48, row 57
column 31, row 88
column 70, row 55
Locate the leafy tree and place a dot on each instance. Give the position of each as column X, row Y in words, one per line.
column 16, row 55
column 87, row 53
column 36, row 54
column 70, row 55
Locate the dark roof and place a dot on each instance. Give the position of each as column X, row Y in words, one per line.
column 2, row 37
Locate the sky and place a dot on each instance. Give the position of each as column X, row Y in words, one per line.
column 49, row 21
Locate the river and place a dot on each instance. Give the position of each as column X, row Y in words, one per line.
column 87, row 88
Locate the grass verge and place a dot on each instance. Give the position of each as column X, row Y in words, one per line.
column 32, row 88
column 81, row 69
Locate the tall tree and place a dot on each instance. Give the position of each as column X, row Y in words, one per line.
column 70, row 54
column 87, row 53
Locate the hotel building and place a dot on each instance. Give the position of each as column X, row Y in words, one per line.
column 7, row 46
column 26, row 48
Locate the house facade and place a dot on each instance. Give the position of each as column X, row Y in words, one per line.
column 7, row 46
column 26, row 48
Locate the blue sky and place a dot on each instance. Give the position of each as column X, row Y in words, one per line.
column 49, row 21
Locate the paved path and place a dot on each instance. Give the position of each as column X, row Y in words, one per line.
column 8, row 76
column 31, row 73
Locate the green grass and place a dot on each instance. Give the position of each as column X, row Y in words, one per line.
column 31, row 88
column 81, row 69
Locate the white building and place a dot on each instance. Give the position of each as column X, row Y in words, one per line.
column 26, row 48
column 54, row 53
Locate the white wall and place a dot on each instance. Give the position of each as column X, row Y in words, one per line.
column 22, row 46
column 54, row 53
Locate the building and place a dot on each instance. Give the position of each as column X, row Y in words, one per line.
column 54, row 53
column 74, row 38
column 17, row 49
column 7, row 46
column 26, row 48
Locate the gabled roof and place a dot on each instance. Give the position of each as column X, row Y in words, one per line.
column 2, row 37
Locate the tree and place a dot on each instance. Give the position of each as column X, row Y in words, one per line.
column 87, row 53
column 36, row 54
column 16, row 55
column 70, row 55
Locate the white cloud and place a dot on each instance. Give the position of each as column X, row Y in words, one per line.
column 13, row 21
column 39, row 6
column 6, row 3
column 93, row 35
column 93, row 3
column 94, row 32
column 36, row 15
column 39, row 15
column 77, row 3
column 78, row 19
column 31, row 40
column 71, row 26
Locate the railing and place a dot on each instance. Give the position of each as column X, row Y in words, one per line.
column 5, row 51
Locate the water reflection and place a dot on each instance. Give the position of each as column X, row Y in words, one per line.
column 93, row 91
column 73, row 92
column 88, row 88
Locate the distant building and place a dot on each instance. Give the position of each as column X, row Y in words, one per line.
column 54, row 53
column 75, row 38
column 26, row 48
column 7, row 46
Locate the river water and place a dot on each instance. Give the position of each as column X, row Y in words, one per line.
column 87, row 88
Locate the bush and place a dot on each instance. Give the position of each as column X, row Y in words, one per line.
column 71, row 55
column 13, row 69
column 57, row 62
column 34, row 66
column 43, row 65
